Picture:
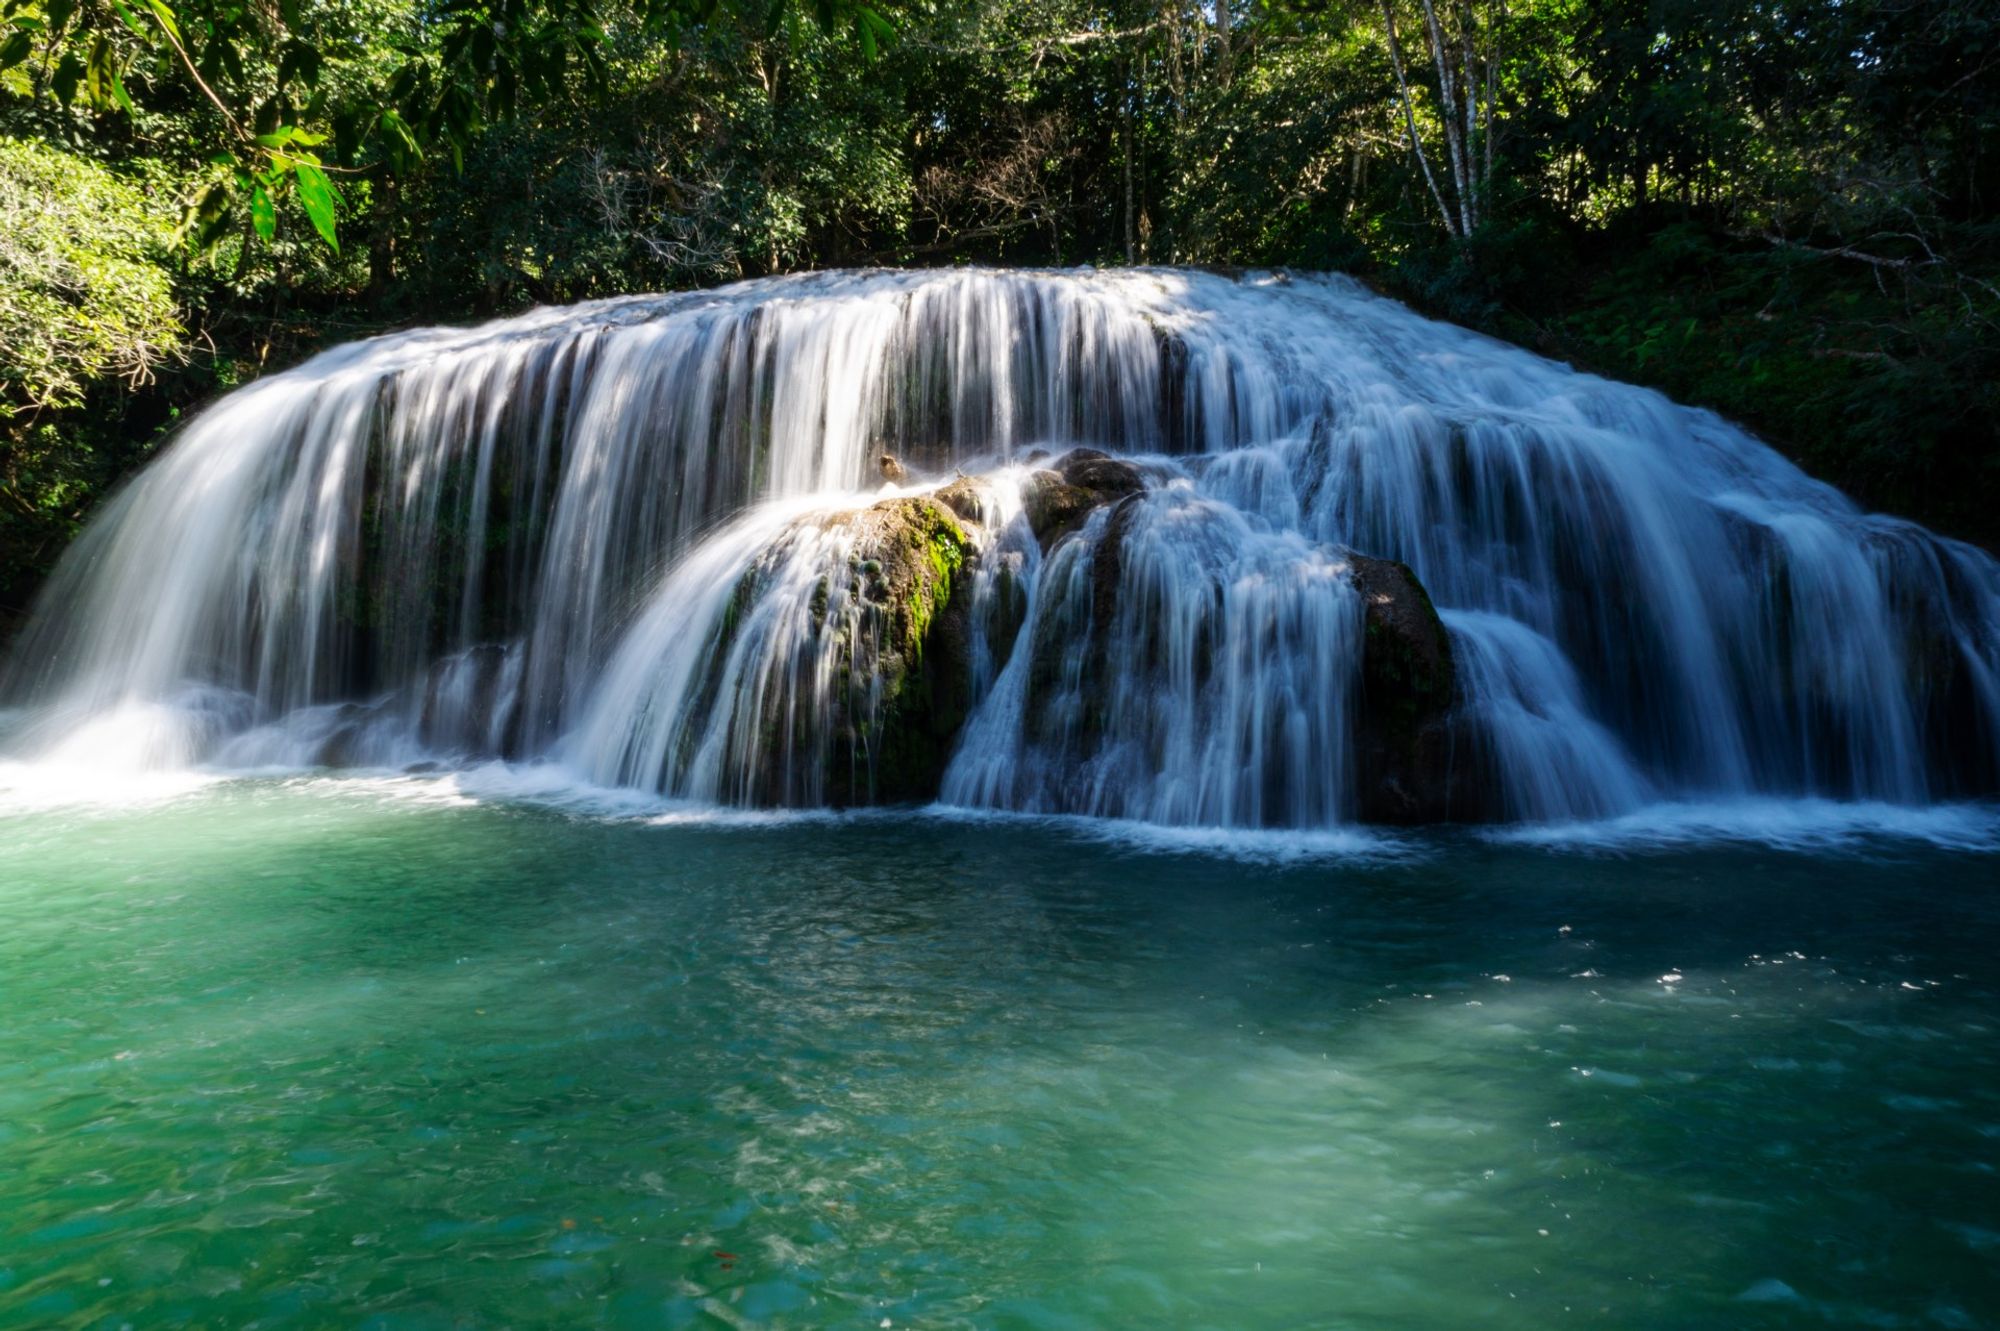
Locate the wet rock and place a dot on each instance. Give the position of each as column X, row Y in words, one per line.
column 1007, row 608
column 468, row 702
column 1059, row 497
column 892, row 470
column 1099, row 473
column 963, row 497
column 1054, row 507
column 1405, row 740
column 908, row 654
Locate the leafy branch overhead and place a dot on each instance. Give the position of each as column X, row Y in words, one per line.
column 294, row 96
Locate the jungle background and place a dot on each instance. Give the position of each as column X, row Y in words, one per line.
column 1783, row 211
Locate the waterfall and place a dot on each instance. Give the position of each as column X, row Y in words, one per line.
column 643, row 539
column 1197, row 668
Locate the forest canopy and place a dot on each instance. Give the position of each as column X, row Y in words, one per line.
column 1779, row 210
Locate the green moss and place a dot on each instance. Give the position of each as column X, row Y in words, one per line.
column 908, row 644
column 940, row 545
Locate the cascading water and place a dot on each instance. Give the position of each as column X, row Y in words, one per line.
column 641, row 538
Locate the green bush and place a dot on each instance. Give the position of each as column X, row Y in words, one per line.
column 85, row 291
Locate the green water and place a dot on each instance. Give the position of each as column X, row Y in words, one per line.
column 307, row 1056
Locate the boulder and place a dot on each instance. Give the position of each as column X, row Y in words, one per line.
column 963, row 497
column 1059, row 497
column 1405, row 736
column 1099, row 473
column 908, row 641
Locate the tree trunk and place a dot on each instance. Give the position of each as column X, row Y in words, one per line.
column 1410, row 119
column 1454, row 132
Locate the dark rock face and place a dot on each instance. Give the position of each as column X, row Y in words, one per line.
column 1061, row 496
column 908, row 652
column 1103, row 475
column 1405, row 738
column 1960, row 759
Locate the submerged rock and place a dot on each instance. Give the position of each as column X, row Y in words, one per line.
column 1405, row 732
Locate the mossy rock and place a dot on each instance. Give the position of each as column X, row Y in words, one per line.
column 910, row 643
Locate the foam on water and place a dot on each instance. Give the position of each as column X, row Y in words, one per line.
column 1806, row 825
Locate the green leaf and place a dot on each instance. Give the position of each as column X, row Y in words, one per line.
column 165, row 16
column 97, row 72
column 207, row 218
column 263, row 213
column 402, row 142
column 284, row 136
column 119, row 95
column 300, row 61
column 130, row 19
column 872, row 21
column 316, row 193
column 15, row 50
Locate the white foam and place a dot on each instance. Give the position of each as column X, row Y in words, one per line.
column 1352, row 843
column 40, row 787
column 1792, row 825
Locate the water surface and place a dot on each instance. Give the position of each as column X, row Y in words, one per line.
column 310, row 1053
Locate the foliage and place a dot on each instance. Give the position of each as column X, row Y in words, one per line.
column 84, row 294
column 1784, row 211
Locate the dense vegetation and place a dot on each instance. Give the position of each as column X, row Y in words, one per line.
column 1780, row 210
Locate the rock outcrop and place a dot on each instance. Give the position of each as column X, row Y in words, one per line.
column 1405, row 737
column 1060, row 496
column 906, row 652
column 902, row 607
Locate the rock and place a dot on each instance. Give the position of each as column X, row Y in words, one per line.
column 910, row 640
column 1099, row 473
column 892, row 470
column 1060, row 497
column 962, row 497
column 1406, row 732
column 1055, row 508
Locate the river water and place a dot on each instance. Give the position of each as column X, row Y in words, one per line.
column 414, row 1052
